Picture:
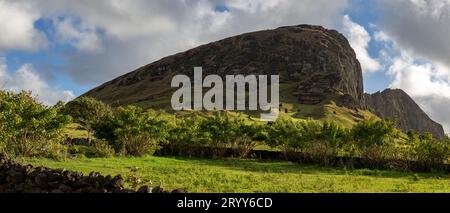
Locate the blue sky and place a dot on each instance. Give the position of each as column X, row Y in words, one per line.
column 60, row 49
column 54, row 61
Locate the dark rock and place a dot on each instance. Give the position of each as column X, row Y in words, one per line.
column 181, row 191
column 118, row 182
column 65, row 188
column 318, row 60
column 157, row 189
column 56, row 191
column 17, row 176
column 81, row 184
column 41, row 180
column 53, row 185
column 395, row 103
column 145, row 189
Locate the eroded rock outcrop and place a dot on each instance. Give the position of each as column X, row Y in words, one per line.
column 395, row 103
column 320, row 62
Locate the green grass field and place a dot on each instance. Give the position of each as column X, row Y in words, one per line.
column 232, row 175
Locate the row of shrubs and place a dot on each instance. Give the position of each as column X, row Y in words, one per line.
column 28, row 128
column 132, row 131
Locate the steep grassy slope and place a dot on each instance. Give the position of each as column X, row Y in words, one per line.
column 290, row 107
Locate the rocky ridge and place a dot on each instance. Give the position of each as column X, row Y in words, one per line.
column 320, row 63
column 395, row 103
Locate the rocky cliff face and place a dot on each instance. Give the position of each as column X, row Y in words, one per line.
column 320, row 62
column 395, row 103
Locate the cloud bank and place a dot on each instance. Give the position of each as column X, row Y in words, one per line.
column 115, row 37
column 107, row 38
column 419, row 53
column 27, row 79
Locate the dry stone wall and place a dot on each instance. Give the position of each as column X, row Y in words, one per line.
column 18, row 178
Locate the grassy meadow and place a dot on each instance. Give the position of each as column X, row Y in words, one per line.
column 242, row 176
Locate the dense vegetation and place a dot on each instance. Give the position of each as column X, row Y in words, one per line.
column 28, row 128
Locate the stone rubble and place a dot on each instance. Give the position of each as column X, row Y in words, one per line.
column 17, row 178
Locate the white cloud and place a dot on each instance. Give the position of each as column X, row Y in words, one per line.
column 26, row 78
column 419, row 52
column 113, row 37
column 427, row 82
column 17, row 27
column 360, row 39
column 427, row 85
column 82, row 36
column 420, row 26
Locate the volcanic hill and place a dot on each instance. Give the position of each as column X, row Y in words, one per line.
column 320, row 77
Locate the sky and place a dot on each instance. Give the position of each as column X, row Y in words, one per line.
column 59, row 49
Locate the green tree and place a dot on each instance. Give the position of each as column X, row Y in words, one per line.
column 285, row 134
column 322, row 141
column 375, row 138
column 218, row 132
column 29, row 128
column 428, row 150
column 246, row 136
column 133, row 131
column 87, row 111
column 186, row 133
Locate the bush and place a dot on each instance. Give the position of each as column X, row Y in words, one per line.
column 97, row 149
column 246, row 136
column 132, row 131
column 323, row 141
column 375, row 139
column 101, row 149
column 306, row 136
column 285, row 134
column 87, row 111
column 218, row 132
column 428, row 150
column 29, row 128
column 186, row 133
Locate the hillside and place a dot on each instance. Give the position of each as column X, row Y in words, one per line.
column 319, row 74
column 395, row 103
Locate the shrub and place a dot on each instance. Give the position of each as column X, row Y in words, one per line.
column 132, row 131
column 87, row 111
column 430, row 151
column 323, row 141
column 29, row 128
column 186, row 133
column 101, row 148
column 285, row 134
column 375, row 139
column 220, row 131
column 217, row 131
column 307, row 136
column 246, row 136
column 97, row 149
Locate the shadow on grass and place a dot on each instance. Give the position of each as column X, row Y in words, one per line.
column 246, row 165
column 289, row 167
